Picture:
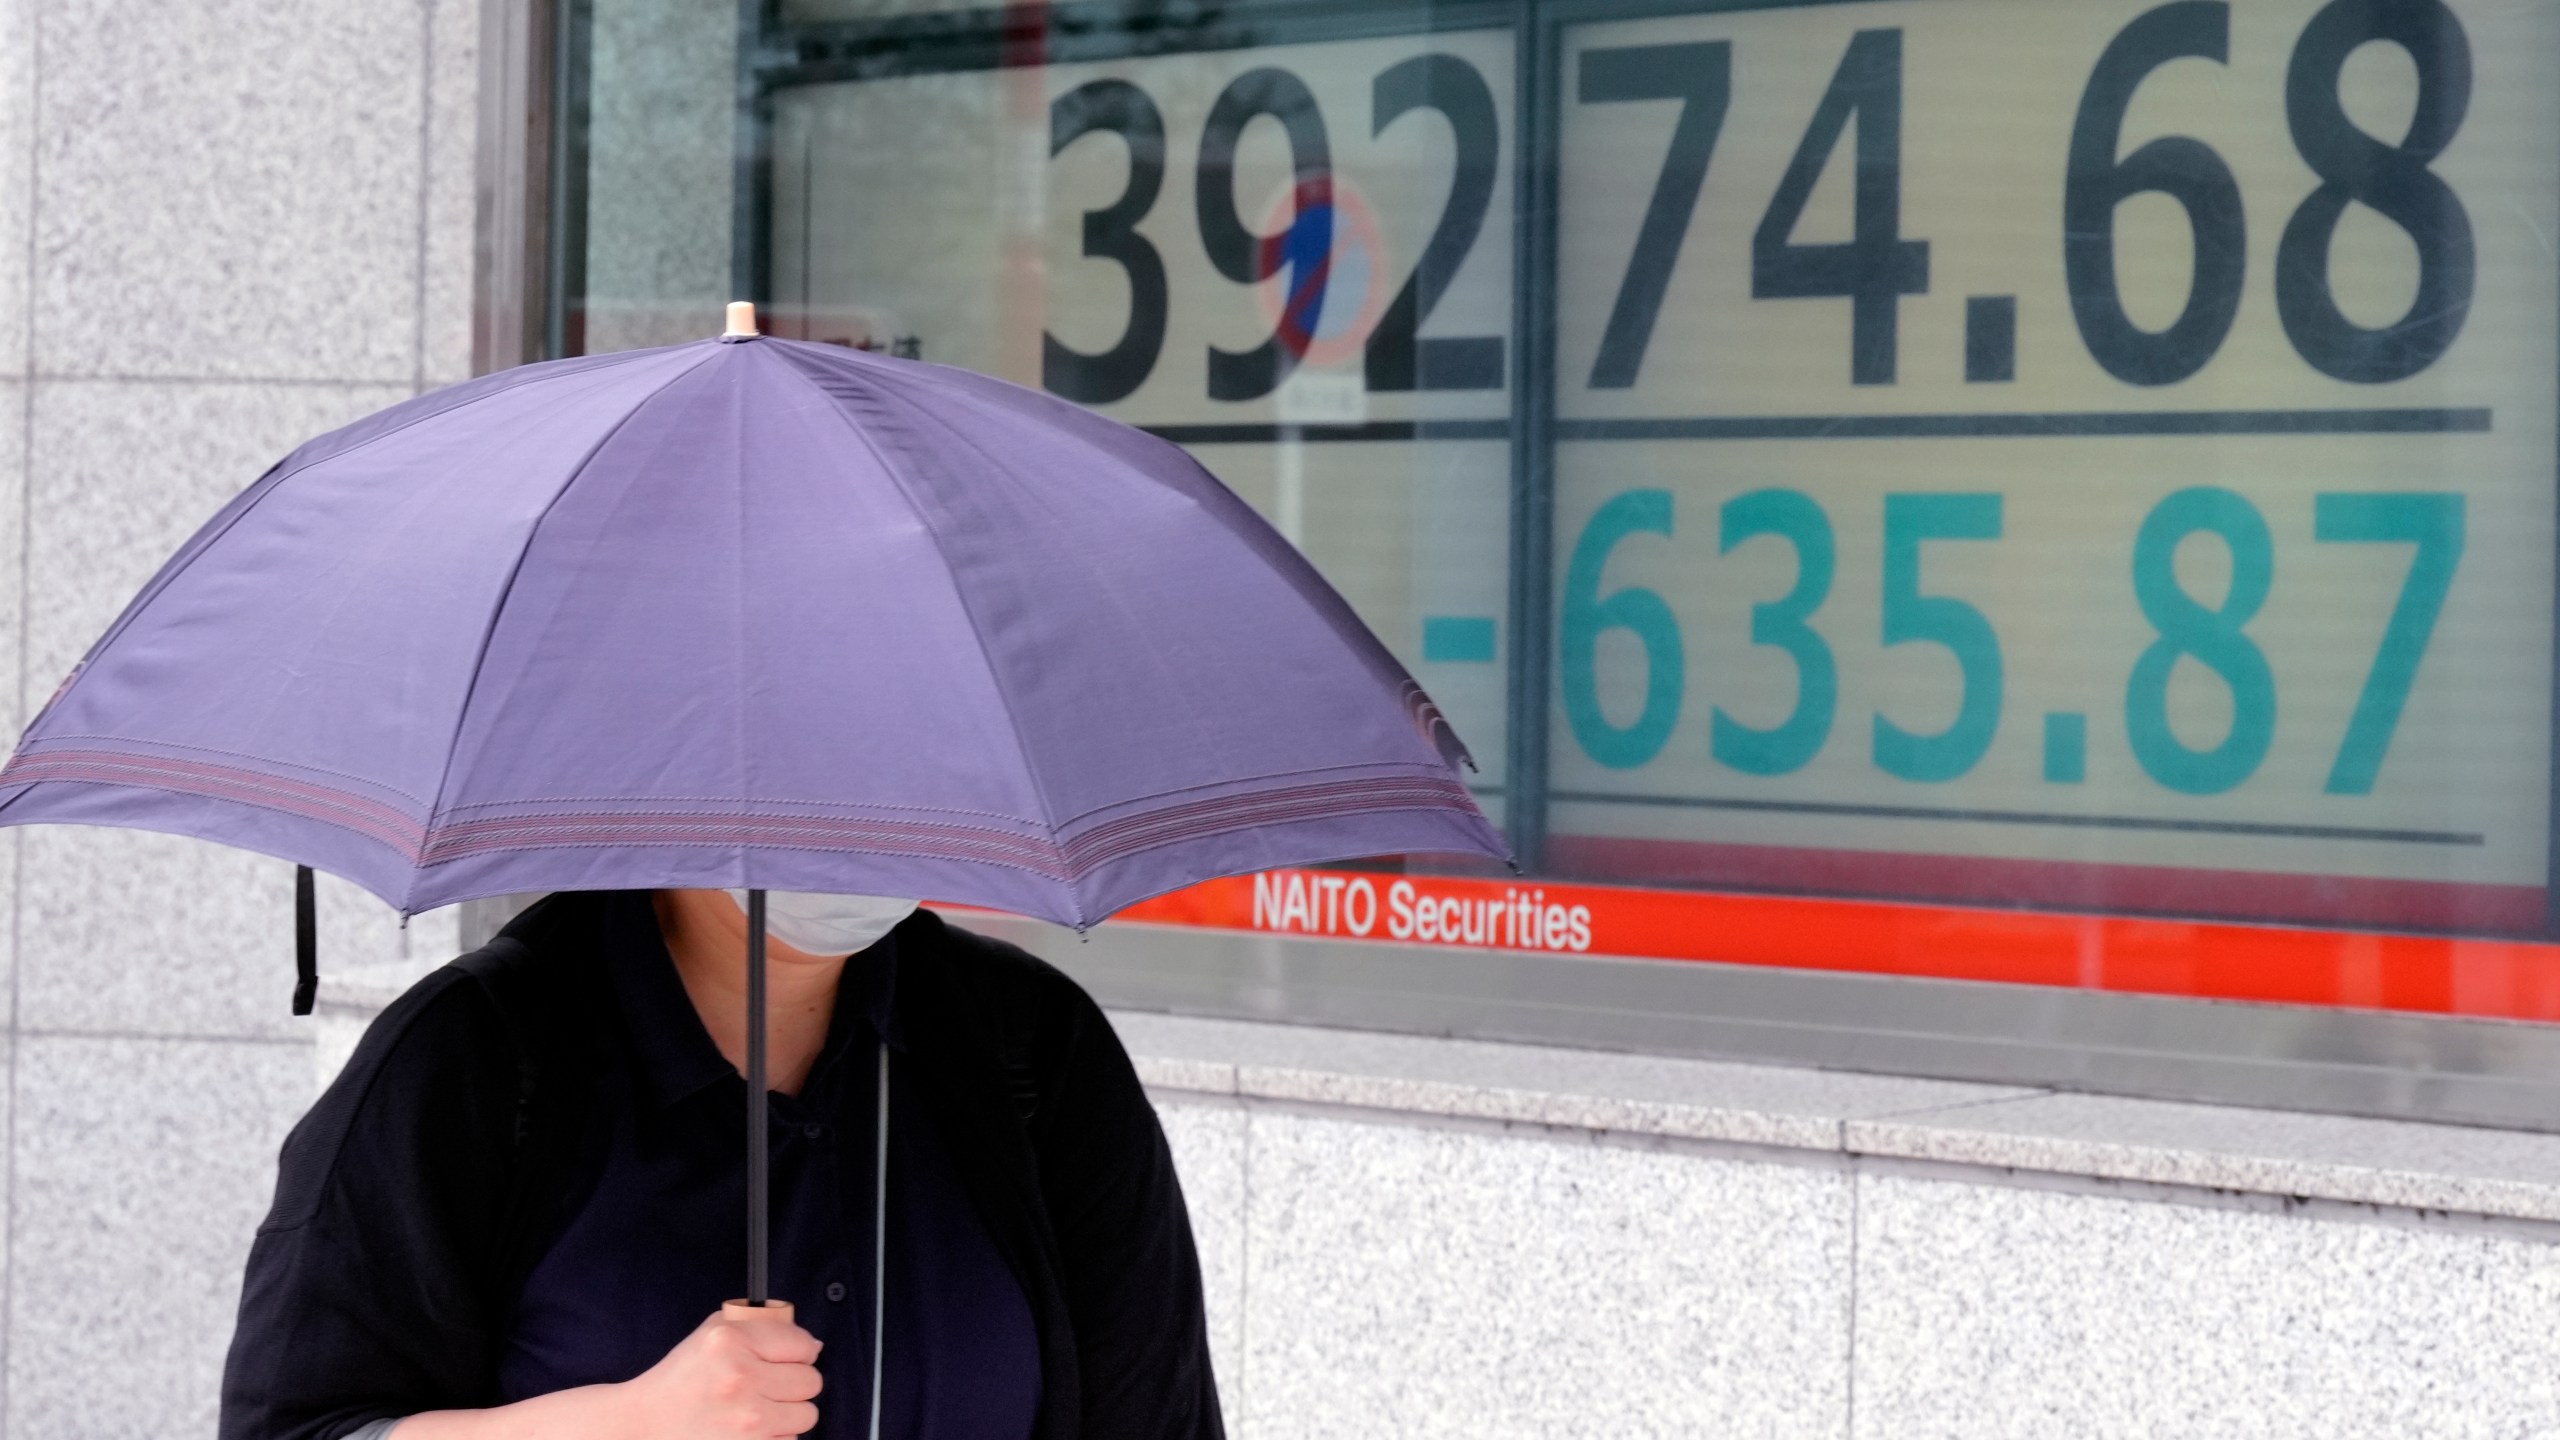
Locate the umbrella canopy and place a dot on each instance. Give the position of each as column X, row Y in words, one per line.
column 749, row 613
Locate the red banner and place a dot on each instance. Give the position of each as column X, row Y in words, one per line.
column 2491, row 978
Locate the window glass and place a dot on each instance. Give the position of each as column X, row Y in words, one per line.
column 1965, row 459
column 649, row 184
column 2088, row 455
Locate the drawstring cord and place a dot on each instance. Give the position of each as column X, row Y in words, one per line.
column 879, row 1239
column 306, row 941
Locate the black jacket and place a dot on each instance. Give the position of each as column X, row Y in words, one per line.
column 414, row 1198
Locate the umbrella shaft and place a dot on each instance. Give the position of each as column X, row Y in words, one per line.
column 759, row 1144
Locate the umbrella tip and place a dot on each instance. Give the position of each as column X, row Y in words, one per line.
column 742, row 320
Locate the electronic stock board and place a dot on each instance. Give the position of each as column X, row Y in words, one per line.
column 2094, row 455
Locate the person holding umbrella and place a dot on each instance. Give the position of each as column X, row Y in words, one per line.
column 1040, row 1277
column 804, row 625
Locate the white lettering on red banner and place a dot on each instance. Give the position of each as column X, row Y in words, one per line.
column 1301, row 902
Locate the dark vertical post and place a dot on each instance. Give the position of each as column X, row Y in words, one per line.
column 512, row 247
column 759, row 1145
column 1533, row 322
column 2551, row 816
column 751, row 188
column 564, row 325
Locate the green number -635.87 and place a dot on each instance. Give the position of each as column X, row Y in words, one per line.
column 2212, row 635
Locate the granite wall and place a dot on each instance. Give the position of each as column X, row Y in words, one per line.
column 224, row 225
column 1386, row 1273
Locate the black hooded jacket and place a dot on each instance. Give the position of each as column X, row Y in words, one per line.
column 416, row 1196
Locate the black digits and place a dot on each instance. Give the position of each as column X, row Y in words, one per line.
column 2186, row 170
column 1248, row 258
column 1396, row 359
column 1700, row 77
column 1879, row 267
column 2393, row 180
column 1112, row 234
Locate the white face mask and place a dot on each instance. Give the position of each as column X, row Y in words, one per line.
column 817, row 924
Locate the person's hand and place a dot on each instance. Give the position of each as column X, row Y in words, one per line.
column 750, row 1378
column 731, row 1379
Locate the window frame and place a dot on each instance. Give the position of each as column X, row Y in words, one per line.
column 2305, row 1057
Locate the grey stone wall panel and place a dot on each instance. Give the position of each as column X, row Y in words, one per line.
column 446, row 211
column 141, row 1169
column 1208, row 1140
column 229, row 188
column 135, row 933
column 1424, row 1283
column 17, row 158
column 13, row 482
column 1992, row 1313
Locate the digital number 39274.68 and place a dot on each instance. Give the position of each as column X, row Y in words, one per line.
column 1877, row 267
column 2214, row 636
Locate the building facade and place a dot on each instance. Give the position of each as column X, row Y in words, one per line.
column 222, row 228
column 1996, row 561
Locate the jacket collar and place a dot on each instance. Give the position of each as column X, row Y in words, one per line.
column 677, row 1056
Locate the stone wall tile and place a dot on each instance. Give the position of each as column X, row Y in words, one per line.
column 131, row 932
column 13, row 481
column 1992, row 1313
column 1208, row 1140
column 17, row 176
column 452, row 148
column 1426, row 1282
column 142, row 1169
column 229, row 188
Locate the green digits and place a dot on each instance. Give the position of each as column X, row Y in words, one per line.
column 1587, row 613
column 2212, row 637
column 1782, row 624
column 2433, row 523
column 1965, row 632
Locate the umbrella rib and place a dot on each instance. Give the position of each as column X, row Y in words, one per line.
column 1105, row 583
column 267, row 484
column 498, row 610
column 995, row 673
column 886, row 397
column 1267, row 542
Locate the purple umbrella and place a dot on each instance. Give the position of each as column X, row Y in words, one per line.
column 748, row 613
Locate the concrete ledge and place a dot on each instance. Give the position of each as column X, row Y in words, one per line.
column 1481, row 1080
column 2432, row 1168
column 2447, row 1169
column 2442, row 1168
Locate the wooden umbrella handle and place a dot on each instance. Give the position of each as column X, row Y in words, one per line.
column 770, row 1310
